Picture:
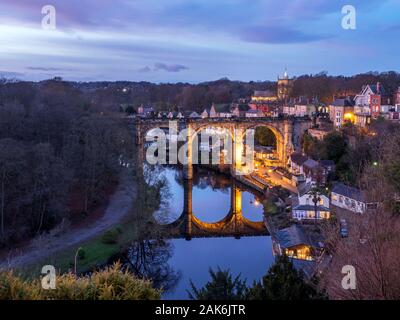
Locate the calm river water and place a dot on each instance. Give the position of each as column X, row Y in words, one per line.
column 173, row 263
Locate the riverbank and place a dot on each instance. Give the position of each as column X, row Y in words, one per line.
column 48, row 248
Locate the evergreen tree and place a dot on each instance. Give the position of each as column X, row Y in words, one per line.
column 283, row 282
column 221, row 287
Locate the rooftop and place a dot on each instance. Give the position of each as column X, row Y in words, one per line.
column 298, row 158
column 266, row 93
column 349, row 192
column 292, row 236
column 312, row 164
column 343, row 102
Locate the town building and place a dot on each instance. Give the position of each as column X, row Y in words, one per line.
column 296, row 161
column 314, row 172
column 172, row 115
column 239, row 109
column 348, row 198
column 262, row 97
column 145, row 111
column 296, row 244
column 341, row 111
column 213, row 113
column 300, row 107
column 223, row 110
column 269, row 102
column 309, row 204
column 254, row 113
column 373, row 100
column 204, row 114
column 285, row 87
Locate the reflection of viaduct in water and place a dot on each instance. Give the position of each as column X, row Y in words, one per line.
column 233, row 225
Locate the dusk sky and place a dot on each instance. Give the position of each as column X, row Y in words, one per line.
column 196, row 40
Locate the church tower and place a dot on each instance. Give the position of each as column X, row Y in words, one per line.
column 285, row 87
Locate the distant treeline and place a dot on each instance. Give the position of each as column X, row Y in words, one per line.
column 110, row 96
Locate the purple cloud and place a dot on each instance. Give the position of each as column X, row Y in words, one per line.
column 169, row 68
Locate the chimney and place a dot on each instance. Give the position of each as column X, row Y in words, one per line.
column 378, row 87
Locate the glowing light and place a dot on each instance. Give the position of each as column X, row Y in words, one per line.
column 349, row 116
column 256, row 203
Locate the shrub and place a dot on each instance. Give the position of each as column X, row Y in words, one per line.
column 109, row 284
column 13, row 287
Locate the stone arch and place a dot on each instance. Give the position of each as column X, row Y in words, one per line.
column 279, row 137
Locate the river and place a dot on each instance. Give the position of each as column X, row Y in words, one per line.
column 238, row 242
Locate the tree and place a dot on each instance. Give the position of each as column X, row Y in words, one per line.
column 283, row 282
column 334, row 147
column 221, row 287
column 265, row 137
column 12, row 183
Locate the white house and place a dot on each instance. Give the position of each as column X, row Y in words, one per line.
column 348, row 198
column 204, row 114
column 213, row 112
column 171, row 115
column 308, row 203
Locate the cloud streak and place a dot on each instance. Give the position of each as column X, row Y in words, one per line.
column 169, row 68
column 48, row 69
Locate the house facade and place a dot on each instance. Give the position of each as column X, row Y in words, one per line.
column 341, row 111
column 299, row 107
column 295, row 244
column 296, row 161
column 314, row 172
column 310, row 204
column 239, row 109
column 373, row 100
column 348, row 198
